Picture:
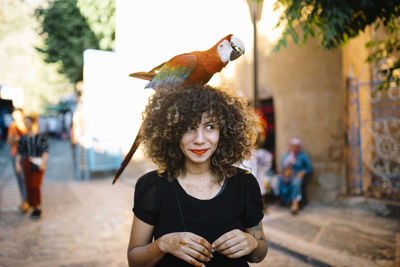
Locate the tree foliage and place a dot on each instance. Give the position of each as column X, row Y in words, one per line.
column 385, row 54
column 21, row 65
column 69, row 27
column 100, row 15
column 334, row 22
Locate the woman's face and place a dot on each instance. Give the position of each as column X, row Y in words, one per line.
column 18, row 116
column 199, row 143
column 28, row 123
column 294, row 147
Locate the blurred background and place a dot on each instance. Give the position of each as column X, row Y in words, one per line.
column 319, row 72
column 326, row 72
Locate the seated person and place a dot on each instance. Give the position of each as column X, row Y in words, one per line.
column 295, row 166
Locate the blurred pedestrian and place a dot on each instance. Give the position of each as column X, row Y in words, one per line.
column 53, row 127
column 295, row 166
column 260, row 166
column 33, row 151
column 260, row 162
column 17, row 129
column 7, row 120
column 198, row 208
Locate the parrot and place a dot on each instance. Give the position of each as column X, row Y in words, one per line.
column 195, row 67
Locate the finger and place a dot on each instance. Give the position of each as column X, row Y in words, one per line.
column 232, row 249
column 200, row 249
column 237, row 254
column 195, row 254
column 194, row 250
column 201, row 241
column 201, row 245
column 223, row 238
column 191, row 260
column 231, row 241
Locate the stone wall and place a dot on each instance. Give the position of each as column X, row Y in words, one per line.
column 308, row 89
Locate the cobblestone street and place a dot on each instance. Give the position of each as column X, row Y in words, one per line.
column 88, row 224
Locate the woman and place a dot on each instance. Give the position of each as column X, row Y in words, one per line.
column 32, row 150
column 15, row 131
column 295, row 166
column 197, row 209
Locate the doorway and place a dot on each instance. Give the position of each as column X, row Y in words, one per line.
column 267, row 109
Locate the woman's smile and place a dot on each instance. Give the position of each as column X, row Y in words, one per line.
column 199, row 151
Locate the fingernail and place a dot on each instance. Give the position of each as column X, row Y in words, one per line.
column 202, row 265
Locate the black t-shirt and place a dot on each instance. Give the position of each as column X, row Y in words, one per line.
column 170, row 209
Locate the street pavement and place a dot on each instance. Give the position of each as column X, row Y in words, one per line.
column 88, row 224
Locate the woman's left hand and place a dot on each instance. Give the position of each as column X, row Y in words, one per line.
column 235, row 244
column 300, row 174
column 43, row 166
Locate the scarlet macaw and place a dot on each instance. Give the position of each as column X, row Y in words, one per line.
column 189, row 68
column 194, row 67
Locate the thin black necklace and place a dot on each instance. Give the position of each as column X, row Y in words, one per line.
column 179, row 206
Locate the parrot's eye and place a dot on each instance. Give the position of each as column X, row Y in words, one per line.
column 221, row 45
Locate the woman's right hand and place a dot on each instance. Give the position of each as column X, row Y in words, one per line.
column 18, row 167
column 187, row 246
column 12, row 140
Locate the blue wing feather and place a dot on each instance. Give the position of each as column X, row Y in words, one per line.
column 174, row 72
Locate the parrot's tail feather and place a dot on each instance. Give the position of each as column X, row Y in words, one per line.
column 143, row 75
column 128, row 156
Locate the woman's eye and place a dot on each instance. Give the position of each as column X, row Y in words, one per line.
column 190, row 128
column 210, row 127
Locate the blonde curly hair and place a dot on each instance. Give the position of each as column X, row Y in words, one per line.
column 169, row 113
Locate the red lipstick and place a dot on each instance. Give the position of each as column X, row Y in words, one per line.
column 199, row 151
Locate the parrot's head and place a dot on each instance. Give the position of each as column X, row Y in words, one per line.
column 230, row 48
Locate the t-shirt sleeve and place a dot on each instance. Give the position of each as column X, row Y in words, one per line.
column 43, row 144
column 145, row 205
column 306, row 163
column 253, row 202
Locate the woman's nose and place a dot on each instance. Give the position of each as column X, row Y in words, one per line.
column 199, row 137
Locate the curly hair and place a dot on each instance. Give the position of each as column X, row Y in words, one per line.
column 171, row 111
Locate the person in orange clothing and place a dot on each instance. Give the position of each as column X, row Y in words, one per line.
column 33, row 151
column 16, row 129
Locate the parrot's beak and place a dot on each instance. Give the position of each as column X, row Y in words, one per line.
column 237, row 48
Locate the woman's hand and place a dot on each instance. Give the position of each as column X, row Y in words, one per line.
column 43, row 166
column 18, row 167
column 300, row 174
column 235, row 244
column 187, row 246
column 12, row 140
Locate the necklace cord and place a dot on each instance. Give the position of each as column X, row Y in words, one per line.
column 180, row 208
